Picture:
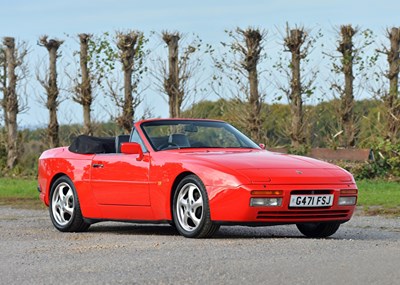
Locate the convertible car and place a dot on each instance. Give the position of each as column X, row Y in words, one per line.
column 195, row 175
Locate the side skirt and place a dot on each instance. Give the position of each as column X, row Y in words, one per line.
column 94, row 221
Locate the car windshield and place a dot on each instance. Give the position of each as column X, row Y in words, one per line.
column 173, row 134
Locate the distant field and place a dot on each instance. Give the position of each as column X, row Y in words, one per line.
column 375, row 197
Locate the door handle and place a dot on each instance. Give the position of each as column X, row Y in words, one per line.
column 97, row 165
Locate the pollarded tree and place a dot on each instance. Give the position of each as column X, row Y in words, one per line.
column 51, row 87
column 392, row 98
column 177, row 76
column 294, row 41
column 347, row 97
column 3, row 77
column 251, row 56
column 300, row 84
column 350, row 65
column 171, row 82
column 131, row 55
column 241, row 68
column 83, row 90
column 11, row 102
column 3, row 84
column 96, row 63
column 128, row 44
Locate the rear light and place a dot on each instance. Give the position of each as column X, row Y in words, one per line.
column 265, row 202
column 347, row 200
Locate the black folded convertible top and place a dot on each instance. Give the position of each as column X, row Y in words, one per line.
column 88, row 144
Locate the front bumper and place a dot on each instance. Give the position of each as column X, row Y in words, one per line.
column 233, row 205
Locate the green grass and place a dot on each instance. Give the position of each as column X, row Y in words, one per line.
column 18, row 188
column 379, row 197
column 375, row 196
column 19, row 192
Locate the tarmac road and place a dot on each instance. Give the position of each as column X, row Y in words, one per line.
column 366, row 250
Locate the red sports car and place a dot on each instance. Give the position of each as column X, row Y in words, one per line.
column 195, row 175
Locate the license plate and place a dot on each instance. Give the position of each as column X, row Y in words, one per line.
column 311, row 200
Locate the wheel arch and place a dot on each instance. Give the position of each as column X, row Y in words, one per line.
column 177, row 180
column 53, row 179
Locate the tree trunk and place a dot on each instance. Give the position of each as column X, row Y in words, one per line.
column 11, row 103
column 392, row 101
column 253, row 39
column 171, row 82
column 347, row 98
column 127, row 44
column 51, row 87
column 293, row 41
column 4, row 86
column 85, row 90
column 255, row 106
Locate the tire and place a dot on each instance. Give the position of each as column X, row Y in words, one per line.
column 64, row 208
column 318, row 230
column 190, row 209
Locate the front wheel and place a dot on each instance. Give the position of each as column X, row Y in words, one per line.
column 318, row 230
column 190, row 209
column 64, row 208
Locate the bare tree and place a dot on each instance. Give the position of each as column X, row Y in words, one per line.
column 96, row 62
column 392, row 99
column 13, row 59
column 351, row 69
column 83, row 90
column 3, row 84
column 51, row 87
column 251, row 56
column 294, row 40
column 300, row 85
column 129, row 45
column 10, row 102
column 242, row 70
column 347, row 97
column 171, row 82
column 177, row 75
column 3, row 80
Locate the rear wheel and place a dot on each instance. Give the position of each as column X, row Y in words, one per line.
column 318, row 230
column 64, row 208
column 190, row 210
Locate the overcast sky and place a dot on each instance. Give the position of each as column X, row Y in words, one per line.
column 28, row 19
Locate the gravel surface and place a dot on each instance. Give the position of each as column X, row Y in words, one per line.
column 365, row 250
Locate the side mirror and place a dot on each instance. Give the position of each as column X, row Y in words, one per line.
column 132, row 148
column 262, row 145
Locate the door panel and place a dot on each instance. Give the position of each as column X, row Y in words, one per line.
column 119, row 179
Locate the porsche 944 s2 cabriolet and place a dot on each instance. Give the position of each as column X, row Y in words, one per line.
column 195, row 175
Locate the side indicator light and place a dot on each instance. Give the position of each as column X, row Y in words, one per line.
column 267, row 192
column 348, row 191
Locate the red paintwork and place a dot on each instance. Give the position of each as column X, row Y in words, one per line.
column 138, row 186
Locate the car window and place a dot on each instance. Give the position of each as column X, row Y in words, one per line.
column 135, row 137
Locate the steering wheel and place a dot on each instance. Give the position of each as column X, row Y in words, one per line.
column 168, row 145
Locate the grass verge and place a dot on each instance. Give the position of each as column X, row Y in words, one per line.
column 378, row 197
column 21, row 193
